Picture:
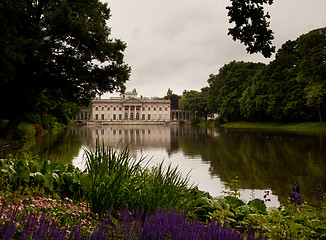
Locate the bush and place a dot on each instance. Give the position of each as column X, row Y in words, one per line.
column 194, row 121
column 219, row 121
column 25, row 131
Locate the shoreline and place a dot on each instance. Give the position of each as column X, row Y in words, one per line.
column 303, row 127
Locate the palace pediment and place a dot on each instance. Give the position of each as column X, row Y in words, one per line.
column 132, row 101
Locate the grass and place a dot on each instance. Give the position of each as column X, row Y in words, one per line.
column 304, row 127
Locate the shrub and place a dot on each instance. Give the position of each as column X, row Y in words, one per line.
column 24, row 131
column 194, row 121
column 219, row 121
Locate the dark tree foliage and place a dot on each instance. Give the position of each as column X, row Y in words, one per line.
column 56, row 49
column 292, row 88
column 312, row 49
column 226, row 88
column 195, row 102
column 174, row 100
column 251, row 25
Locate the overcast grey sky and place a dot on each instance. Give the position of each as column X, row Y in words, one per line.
column 177, row 44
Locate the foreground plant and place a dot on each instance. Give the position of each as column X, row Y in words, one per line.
column 64, row 213
column 114, row 179
column 163, row 224
column 296, row 220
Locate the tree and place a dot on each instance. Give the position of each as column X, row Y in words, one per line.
column 55, row 49
column 169, row 92
column 251, row 25
column 195, row 101
column 312, row 47
column 293, row 86
column 226, row 88
column 174, row 100
column 275, row 94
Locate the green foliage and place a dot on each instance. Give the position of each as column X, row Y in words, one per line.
column 194, row 121
column 108, row 178
column 114, row 179
column 52, row 177
column 232, row 188
column 306, row 221
column 251, row 25
column 174, row 100
column 219, row 121
column 145, row 189
column 289, row 89
column 24, row 131
column 195, row 102
column 59, row 54
column 226, row 88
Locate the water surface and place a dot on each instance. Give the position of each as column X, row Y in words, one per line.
column 262, row 160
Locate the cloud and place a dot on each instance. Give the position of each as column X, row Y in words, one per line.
column 178, row 44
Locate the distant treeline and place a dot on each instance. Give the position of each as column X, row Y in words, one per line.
column 292, row 88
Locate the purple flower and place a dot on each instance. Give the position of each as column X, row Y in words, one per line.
column 295, row 196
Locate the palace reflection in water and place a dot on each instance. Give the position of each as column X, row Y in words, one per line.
column 262, row 160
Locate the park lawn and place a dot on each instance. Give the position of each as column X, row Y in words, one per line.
column 304, row 127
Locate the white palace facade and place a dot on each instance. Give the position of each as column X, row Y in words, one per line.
column 130, row 109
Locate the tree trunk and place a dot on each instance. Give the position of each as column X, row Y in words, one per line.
column 10, row 129
column 320, row 114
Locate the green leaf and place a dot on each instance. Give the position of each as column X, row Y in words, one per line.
column 74, row 187
column 46, row 168
column 58, row 179
column 257, row 206
column 68, row 178
column 48, row 181
column 38, row 178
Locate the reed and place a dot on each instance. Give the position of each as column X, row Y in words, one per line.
column 110, row 177
column 115, row 179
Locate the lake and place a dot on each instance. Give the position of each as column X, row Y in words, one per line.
column 262, row 160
